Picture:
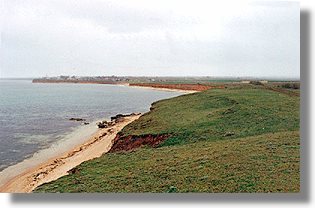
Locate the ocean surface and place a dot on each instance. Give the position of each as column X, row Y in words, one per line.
column 35, row 116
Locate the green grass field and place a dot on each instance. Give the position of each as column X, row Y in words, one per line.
column 214, row 114
column 240, row 139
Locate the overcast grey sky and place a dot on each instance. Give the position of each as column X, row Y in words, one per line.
column 144, row 37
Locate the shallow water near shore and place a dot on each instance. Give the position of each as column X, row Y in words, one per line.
column 34, row 117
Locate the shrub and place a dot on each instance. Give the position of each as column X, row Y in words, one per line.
column 291, row 85
column 255, row 83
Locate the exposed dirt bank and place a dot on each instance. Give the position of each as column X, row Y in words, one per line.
column 126, row 143
column 189, row 87
column 54, row 168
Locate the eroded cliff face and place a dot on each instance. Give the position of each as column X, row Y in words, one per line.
column 127, row 143
column 194, row 87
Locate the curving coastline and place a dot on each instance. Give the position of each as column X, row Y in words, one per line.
column 187, row 88
column 178, row 87
column 54, row 168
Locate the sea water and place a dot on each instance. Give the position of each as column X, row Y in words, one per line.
column 35, row 116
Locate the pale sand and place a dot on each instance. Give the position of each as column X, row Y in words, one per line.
column 164, row 89
column 59, row 166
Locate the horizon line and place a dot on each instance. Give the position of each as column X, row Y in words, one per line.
column 165, row 76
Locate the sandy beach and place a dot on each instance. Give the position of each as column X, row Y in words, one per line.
column 59, row 166
column 55, row 167
column 164, row 89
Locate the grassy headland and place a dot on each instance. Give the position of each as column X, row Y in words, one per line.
column 238, row 139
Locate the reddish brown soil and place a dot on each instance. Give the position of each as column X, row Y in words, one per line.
column 126, row 143
column 194, row 87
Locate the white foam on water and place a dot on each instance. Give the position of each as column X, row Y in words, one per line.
column 70, row 140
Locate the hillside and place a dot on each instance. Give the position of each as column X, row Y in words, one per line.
column 240, row 139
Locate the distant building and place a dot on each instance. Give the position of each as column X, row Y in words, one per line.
column 245, row 81
column 263, row 81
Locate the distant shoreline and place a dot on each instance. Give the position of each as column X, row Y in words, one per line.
column 77, row 82
column 26, row 179
column 120, row 84
column 164, row 89
column 186, row 88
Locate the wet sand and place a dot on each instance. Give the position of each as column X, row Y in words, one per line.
column 59, row 166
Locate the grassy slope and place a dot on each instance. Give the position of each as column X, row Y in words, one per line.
column 199, row 156
column 211, row 115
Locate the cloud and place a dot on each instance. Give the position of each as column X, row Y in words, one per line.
column 149, row 38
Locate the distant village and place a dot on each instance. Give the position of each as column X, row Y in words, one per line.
column 104, row 79
column 186, row 83
column 142, row 79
